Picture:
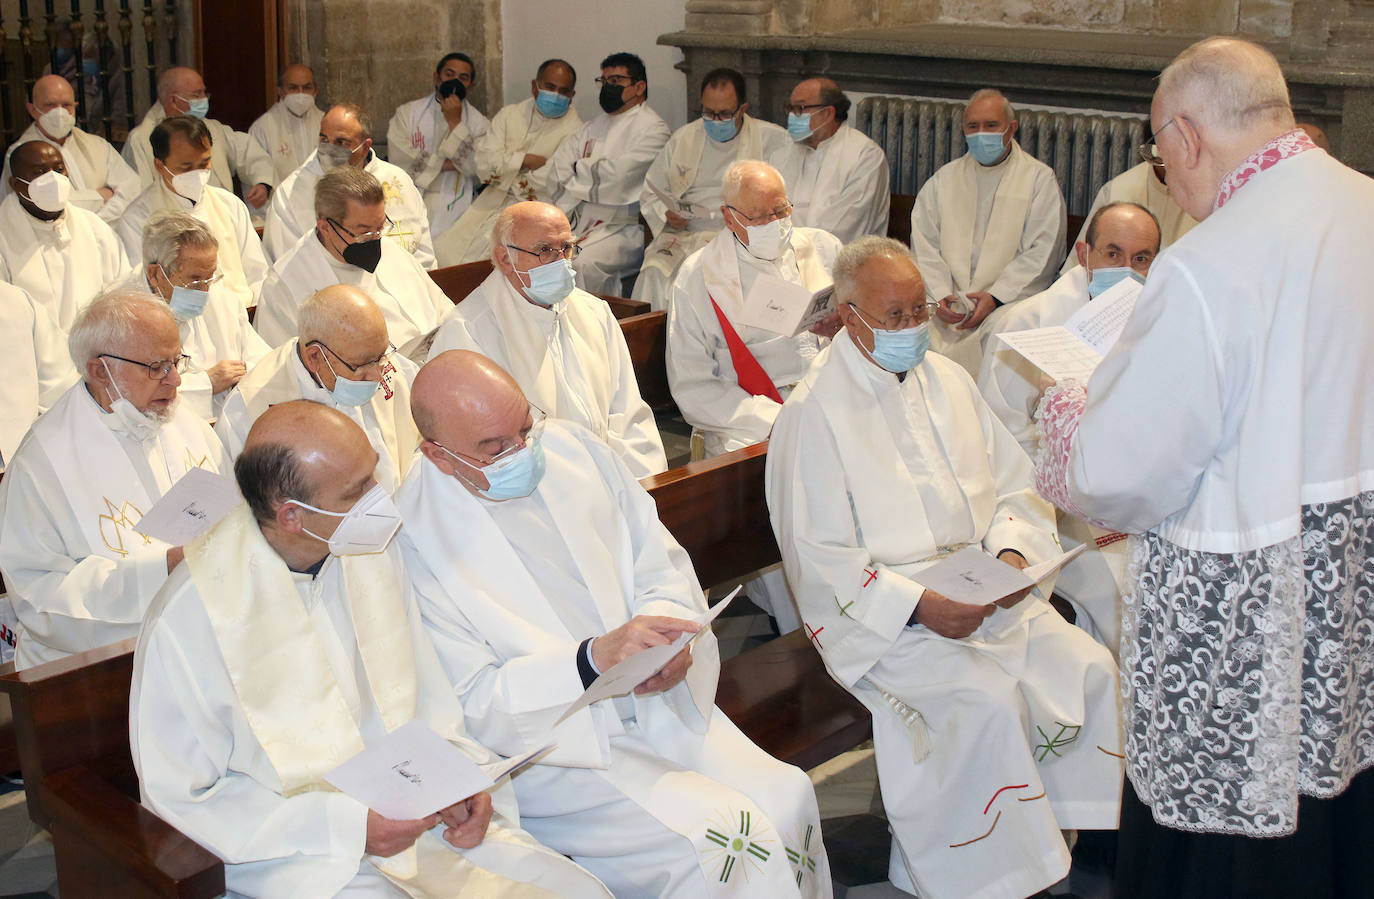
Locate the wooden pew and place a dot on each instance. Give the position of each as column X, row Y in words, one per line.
column 899, row 218
column 646, row 337
column 779, row 693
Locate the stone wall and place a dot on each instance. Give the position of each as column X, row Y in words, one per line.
column 381, row 53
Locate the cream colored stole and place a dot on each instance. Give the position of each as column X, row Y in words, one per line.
column 92, row 157
column 287, row 690
column 214, row 211
column 453, row 243
column 959, row 207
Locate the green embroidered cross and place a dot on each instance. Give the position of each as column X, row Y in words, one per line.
column 737, row 845
column 798, row 857
column 1068, row 733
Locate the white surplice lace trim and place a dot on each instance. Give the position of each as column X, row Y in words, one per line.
column 1248, row 678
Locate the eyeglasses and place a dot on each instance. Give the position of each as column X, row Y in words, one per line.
column 799, row 108
column 537, row 417
column 378, row 363
column 545, row 255
column 1149, row 151
column 781, row 212
column 387, row 226
column 617, row 80
column 899, row 320
column 720, row 116
column 198, row 284
column 160, row 369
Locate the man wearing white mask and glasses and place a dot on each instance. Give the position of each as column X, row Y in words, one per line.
column 346, row 140
column 180, row 264
column 182, row 148
column 79, row 573
column 57, row 252
column 987, row 229
column 102, row 182
column 561, row 344
column 348, row 245
column 996, row 725
column 300, row 586
column 342, row 358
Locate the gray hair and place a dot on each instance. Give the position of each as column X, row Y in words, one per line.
column 111, row 321
column 168, row 233
column 854, row 257
column 732, row 185
column 336, row 189
column 985, row 92
column 1228, row 83
column 359, row 115
column 321, row 317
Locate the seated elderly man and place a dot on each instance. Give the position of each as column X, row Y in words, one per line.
column 1145, row 186
column 689, row 169
column 539, row 561
column 298, row 586
column 58, row 253
column 342, row 358
column 102, row 182
column 562, row 345
column 180, row 92
column 1122, row 240
column 79, row 573
column 883, row 460
column 38, row 369
column 180, row 264
column 289, row 130
column 348, row 246
column 987, row 228
column 346, row 139
column 511, row 159
column 181, row 148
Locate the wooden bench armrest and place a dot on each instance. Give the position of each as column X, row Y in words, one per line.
column 108, row 845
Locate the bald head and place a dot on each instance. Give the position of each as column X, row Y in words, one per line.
column 459, row 392
column 297, row 77
column 748, row 179
column 342, row 313
column 1228, row 84
column 531, row 226
column 53, row 90
column 1120, row 235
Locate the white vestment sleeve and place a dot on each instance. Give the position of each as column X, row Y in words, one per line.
column 490, row 160
column 456, row 147
column 861, row 207
column 248, row 160
column 925, row 241
column 55, row 370
column 650, row 206
column 255, row 267
column 631, row 429
column 1022, row 521
column 121, row 179
column 398, row 149
column 1042, row 244
column 1010, row 384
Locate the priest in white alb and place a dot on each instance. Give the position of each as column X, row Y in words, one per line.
column 347, row 245
column 179, row 264
column 1122, row 240
column 1144, row 185
column 290, row 128
column 288, row 643
column 102, row 181
column 1229, row 429
column 538, row 561
column 561, row 344
column 345, row 139
column 688, row 170
column 61, row 255
column 837, row 175
column 597, row 176
column 342, row 358
column 512, row 159
column 432, row 139
column 39, row 369
column 181, row 152
column 79, row 574
column 995, row 725
column 987, row 229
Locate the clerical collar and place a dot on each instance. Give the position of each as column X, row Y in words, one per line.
column 1285, row 146
column 313, row 570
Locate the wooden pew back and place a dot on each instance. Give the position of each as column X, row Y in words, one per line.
column 646, row 337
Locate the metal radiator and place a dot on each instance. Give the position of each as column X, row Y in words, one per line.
column 920, row 135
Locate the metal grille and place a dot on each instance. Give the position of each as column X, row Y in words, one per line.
column 1085, row 149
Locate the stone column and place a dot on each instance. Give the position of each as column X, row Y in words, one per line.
column 730, row 16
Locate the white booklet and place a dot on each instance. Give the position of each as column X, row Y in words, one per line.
column 414, row 772
column 675, row 205
column 974, row 577
column 191, row 507
column 1072, row 352
column 621, row 678
column 783, row 307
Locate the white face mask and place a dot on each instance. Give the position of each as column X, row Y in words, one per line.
column 57, row 122
column 49, row 191
column 191, row 185
column 142, row 426
column 299, row 104
column 366, row 528
column 769, row 241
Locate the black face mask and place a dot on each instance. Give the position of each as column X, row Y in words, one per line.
column 453, row 88
column 612, row 97
column 365, row 254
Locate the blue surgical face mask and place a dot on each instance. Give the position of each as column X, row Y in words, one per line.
column 985, row 146
column 721, row 131
column 549, row 283
column 186, row 303
column 200, row 108
column 350, row 393
column 1104, row 279
column 512, row 477
column 799, row 126
column 899, row 351
column 552, row 104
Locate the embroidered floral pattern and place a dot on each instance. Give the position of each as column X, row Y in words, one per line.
column 1277, row 150
column 1249, row 677
column 1059, row 412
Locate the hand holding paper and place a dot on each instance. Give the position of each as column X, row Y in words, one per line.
column 783, row 307
column 1073, row 351
column 192, row 506
column 974, row 577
